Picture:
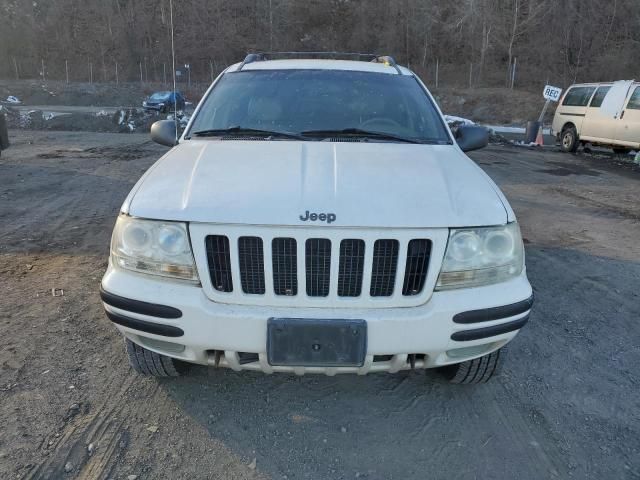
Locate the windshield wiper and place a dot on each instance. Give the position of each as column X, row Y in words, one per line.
column 361, row 133
column 215, row 132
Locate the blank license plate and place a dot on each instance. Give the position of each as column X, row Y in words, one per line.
column 308, row 342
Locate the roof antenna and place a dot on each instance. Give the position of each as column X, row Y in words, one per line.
column 173, row 60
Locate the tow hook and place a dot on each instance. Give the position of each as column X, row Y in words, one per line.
column 217, row 357
column 412, row 360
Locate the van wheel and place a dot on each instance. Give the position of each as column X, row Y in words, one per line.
column 478, row 370
column 620, row 150
column 569, row 140
column 146, row 362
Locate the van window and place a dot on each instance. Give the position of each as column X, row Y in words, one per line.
column 578, row 96
column 597, row 99
column 634, row 101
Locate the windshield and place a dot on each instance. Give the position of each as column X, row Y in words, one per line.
column 160, row 96
column 317, row 101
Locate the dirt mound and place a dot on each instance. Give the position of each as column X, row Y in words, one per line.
column 497, row 138
column 122, row 121
column 493, row 106
column 79, row 94
column 500, row 106
column 34, row 92
column 13, row 116
column 81, row 122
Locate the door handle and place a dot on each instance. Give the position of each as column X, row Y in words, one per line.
column 622, row 115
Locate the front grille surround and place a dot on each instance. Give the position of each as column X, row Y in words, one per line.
column 285, row 280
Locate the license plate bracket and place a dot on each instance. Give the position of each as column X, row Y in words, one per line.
column 306, row 342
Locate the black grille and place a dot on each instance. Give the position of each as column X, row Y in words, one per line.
column 285, row 266
column 241, row 137
column 346, row 139
column 383, row 270
column 318, row 266
column 350, row 265
column 415, row 274
column 251, row 259
column 247, row 357
column 351, row 268
column 219, row 262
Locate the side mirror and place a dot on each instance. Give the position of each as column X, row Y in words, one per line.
column 472, row 137
column 164, row 133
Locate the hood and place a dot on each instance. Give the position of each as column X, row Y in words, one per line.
column 278, row 182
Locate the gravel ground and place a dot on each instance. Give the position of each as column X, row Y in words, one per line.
column 566, row 405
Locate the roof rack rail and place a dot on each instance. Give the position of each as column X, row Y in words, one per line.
column 372, row 57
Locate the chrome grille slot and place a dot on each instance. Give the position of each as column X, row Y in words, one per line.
column 351, row 268
column 415, row 273
column 251, row 260
column 284, row 258
column 383, row 270
column 219, row 259
column 318, row 266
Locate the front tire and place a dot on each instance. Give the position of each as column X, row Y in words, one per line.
column 569, row 140
column 146, row 362
column 478, row 370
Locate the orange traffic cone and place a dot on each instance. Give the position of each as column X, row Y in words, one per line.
column 539, row 139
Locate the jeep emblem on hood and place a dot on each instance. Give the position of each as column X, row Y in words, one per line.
column 323, row 217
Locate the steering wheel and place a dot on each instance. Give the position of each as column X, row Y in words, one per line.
column 380, row 121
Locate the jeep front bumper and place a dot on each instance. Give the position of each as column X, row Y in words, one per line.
column 179, row 321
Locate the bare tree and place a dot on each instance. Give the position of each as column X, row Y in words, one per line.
column 561, row 40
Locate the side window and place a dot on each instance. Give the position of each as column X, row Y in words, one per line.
column 597, row 99
column 578, row 96
column 634, row 101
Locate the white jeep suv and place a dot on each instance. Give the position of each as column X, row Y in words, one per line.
column 317, row 216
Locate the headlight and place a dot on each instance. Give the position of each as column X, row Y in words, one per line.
column 481, row 256
column 153, row 247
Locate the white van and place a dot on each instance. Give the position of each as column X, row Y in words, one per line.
column 581, row 116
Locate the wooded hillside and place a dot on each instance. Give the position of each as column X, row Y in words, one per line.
column 473, row 42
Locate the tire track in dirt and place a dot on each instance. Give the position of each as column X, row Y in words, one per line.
column 103, row 428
